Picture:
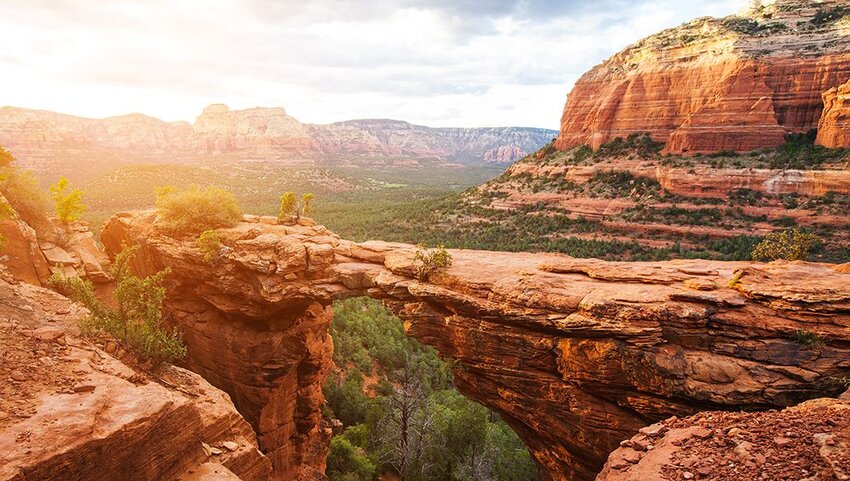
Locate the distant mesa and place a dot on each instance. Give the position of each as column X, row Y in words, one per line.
column 736, row 83
column 44, row 141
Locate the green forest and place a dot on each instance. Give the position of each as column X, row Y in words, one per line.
column 401, row 414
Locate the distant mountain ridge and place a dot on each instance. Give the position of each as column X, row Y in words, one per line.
column 44, row 140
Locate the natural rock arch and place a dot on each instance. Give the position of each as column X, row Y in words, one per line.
column 575, row 354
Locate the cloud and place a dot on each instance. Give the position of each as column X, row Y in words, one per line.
column 430, row 61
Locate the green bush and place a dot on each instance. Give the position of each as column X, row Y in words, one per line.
column 291, row 208
column 6, row 212
column 428, row 261
column 68, row 203
column 196, row 209
column 791, row 244
column 6, row 157
column 135, row 317
column 640, row 144
column 809, row 339
column 209, row 243
column 22, row 192
column 347, row 462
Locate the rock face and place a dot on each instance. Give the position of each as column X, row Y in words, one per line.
column 261, row 341
column 45, row 141
column 834, row 126
column 810, row 441
column 22, row 256
column 738, row 83
column 576, row 355
column 71, row 411
column 31, row 256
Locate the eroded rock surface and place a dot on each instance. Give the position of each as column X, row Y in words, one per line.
column 31, row 255
column 738, row 83
column 71, row 411
column 575, row 354
column 809, row 442
column 834, row 125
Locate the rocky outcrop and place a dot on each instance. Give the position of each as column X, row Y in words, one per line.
column 834, row 125
column 739, row 83
column 809, row 442
column 31, row 256
column 71, row 411
column 21, row 255
column 267, row 347
column 701, row 181
column 46, row 141
column 576, row 355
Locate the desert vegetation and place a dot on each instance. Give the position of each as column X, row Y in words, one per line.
column 791, row 244
column 408, row 419
column 22, row 192
column 427, row 262
column 292, row 208
column 196, row 209
column 209, row 243
column 133, row 318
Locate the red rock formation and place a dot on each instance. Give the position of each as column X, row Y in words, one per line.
column 576, row 355
column 261, row 341
column 31, row 256
column 834, row 125
column 22, row 256
column 810, row 441
column 739, row 83
column 69, row 410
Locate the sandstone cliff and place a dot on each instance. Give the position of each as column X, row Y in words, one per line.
column 576, row 355
column 834, row 126
column 738, row 83
column 69, row 410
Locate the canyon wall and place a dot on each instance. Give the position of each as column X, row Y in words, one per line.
column 575, row 354
column 75, row 409
column 739, row 83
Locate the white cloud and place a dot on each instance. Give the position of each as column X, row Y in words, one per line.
column 438, row 63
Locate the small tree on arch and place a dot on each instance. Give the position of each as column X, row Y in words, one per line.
column 291, row 208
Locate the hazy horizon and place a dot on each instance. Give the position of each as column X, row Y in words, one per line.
column 443, row 64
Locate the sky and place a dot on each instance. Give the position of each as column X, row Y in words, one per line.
column 460, row 63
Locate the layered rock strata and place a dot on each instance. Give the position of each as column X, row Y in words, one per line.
column 834, row 126
column 576, row 355
column 738, row 83
column 69, row 410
